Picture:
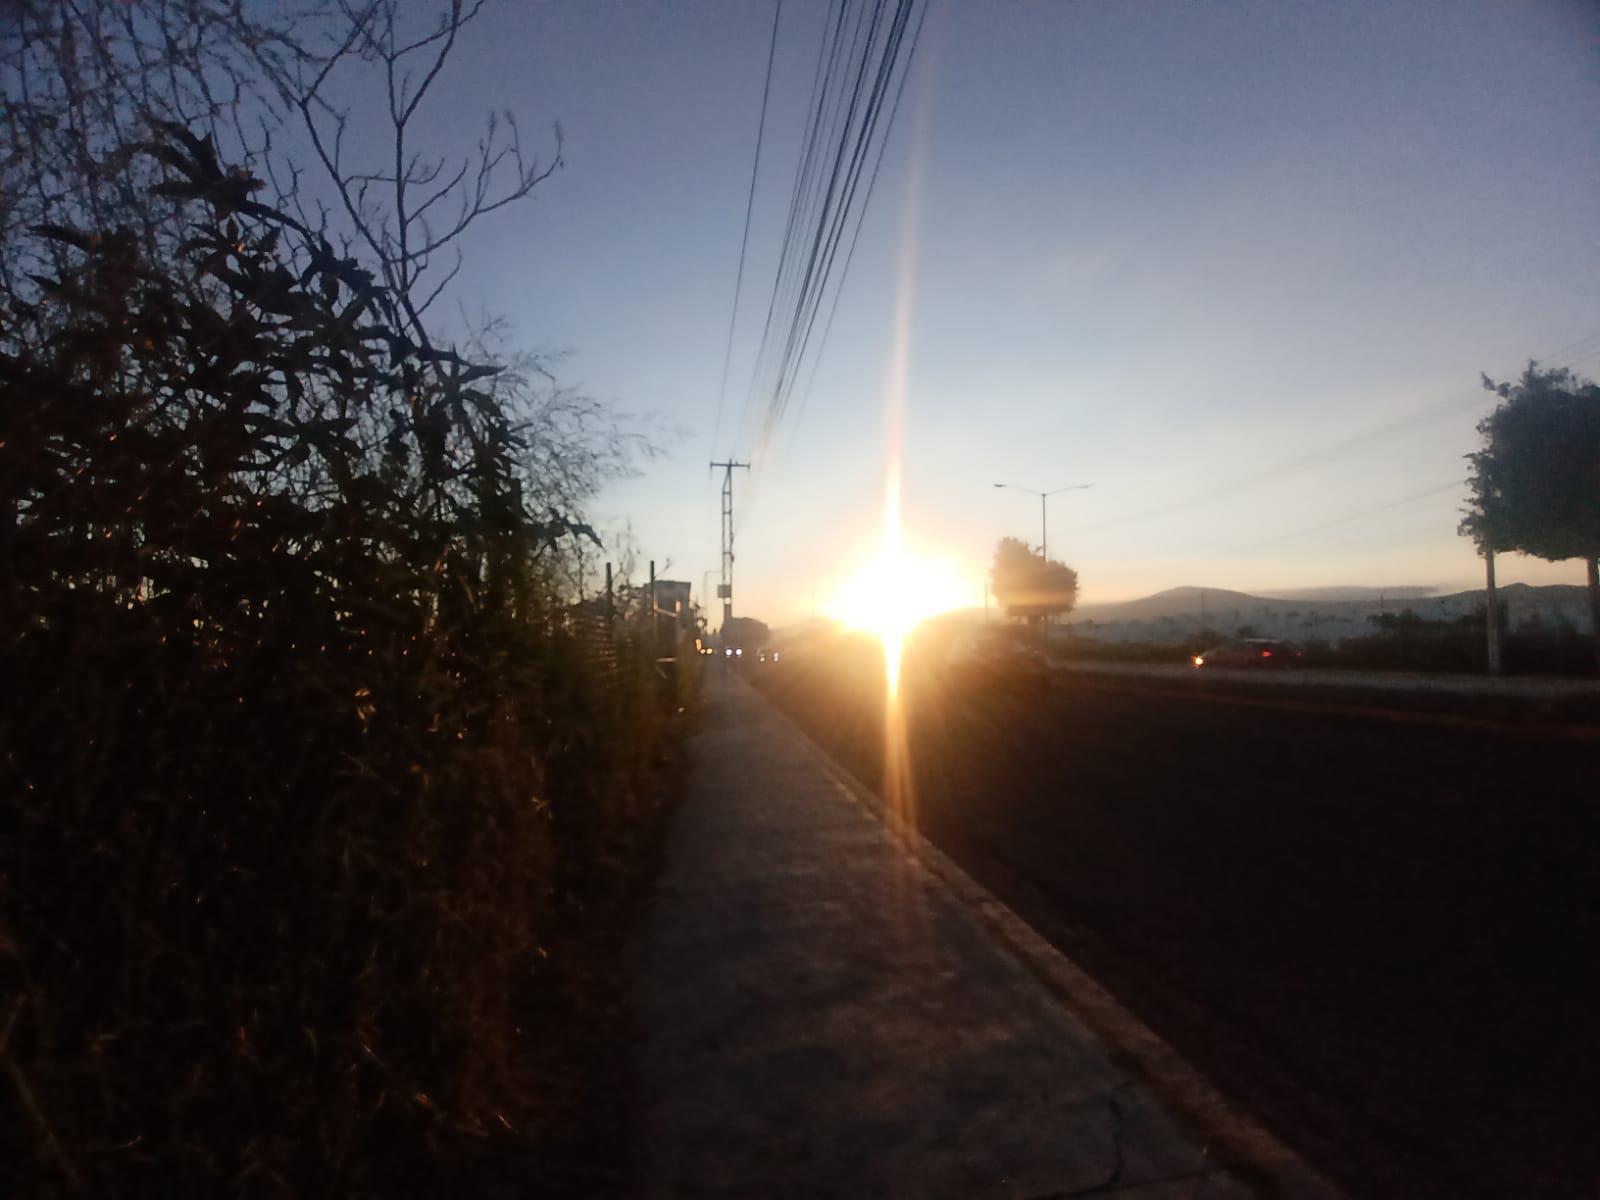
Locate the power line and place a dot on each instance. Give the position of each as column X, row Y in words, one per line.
column 816, row 106
column 1289, row 466
column 1352, row 516
column 858, row 64
column 859, row 56
column 826, row 247
column 1415, row 496
column 1378, row 433
column 749, row 205
column 855, row 236
column 830, row 193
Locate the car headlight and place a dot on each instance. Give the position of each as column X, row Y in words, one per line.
column 1199, row 660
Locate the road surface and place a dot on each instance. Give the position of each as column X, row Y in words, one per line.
column 1375, row 925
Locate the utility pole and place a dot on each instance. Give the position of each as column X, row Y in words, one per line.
column 1044, row 529
column 725, row 588
column 705, row 591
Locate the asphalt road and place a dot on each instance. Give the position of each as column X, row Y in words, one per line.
column 1378, row 927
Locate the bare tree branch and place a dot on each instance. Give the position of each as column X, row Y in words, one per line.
column 401, row 232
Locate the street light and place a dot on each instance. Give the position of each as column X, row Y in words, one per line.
column 1044, row 540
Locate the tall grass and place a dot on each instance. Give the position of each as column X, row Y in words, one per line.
column 302, row 759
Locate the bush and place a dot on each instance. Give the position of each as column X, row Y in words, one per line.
column 1454, row 647
column 304, row 760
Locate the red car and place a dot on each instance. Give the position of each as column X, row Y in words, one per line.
column 1251, row 652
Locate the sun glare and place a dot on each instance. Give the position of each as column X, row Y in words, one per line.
column 895, row 591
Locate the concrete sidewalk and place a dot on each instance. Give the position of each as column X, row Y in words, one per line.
column 825, row 1013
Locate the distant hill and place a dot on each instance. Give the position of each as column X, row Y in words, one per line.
column 1350, row 593
column 1325, row 613
column 1178, row 601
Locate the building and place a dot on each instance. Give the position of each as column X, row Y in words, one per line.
column 673, row 599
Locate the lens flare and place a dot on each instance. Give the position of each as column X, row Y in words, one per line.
column 895, row 590
column 892, row 593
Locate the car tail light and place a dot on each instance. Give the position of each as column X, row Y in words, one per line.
column 1266, row 654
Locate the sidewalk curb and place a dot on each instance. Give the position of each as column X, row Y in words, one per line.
column 1236, row 1140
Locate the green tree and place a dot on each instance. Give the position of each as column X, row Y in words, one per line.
column 1030, row 586
column 1536, row 481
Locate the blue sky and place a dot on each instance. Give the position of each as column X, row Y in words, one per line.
column 1166, row 248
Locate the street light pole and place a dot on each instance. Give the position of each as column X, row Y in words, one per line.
column 1044, row 527
column 705, row 577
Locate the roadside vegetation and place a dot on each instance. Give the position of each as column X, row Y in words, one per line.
column 1029, row 586
column 323, row 800
column 1403, row 641
column 1536, row 480
column 1534, row 489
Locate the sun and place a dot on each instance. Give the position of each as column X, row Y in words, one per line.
column 892, row 593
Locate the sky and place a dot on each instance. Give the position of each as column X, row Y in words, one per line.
column 1213, row 259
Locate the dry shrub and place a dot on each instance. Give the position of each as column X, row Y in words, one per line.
column 302, row 761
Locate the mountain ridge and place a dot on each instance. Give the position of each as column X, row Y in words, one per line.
column 1224, row 603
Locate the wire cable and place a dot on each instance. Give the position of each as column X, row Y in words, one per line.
column 871, row 86
column 841, row 190
column 855, row 236
column 858, row 86
column 827, row 53
column 744, row 241
column 1351, row 516
column 1421, row 416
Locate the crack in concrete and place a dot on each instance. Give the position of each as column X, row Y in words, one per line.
column 1113, row 1177
column 1101, row 1189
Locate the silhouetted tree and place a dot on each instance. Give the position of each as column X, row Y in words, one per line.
column 401, row 204
column 302, row 766
column 1536, row 481
column 300, row 762
column 82, row 83
column 1029, row 586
